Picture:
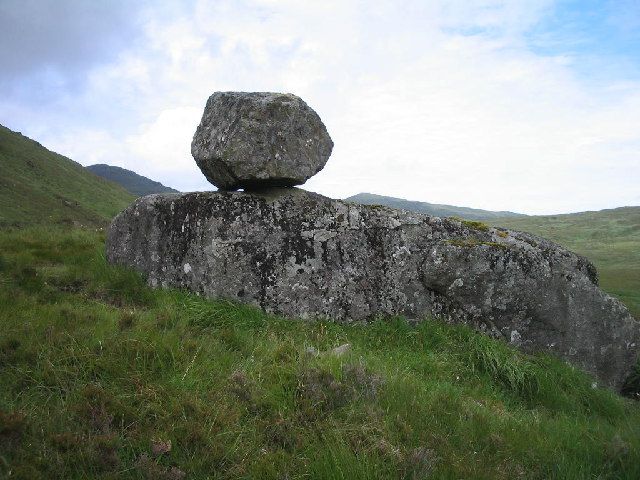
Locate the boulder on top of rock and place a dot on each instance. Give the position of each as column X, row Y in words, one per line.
column 260, row 139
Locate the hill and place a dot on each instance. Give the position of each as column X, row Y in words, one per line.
column 40, row 186
column 609, row 238
column 103, row 377
column 429, row 208
column 130, row 181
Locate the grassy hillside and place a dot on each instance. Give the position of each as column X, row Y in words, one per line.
column 130, row 181
column 40, row 186
column 429, row 208
column 101, row 377
column 609, row 238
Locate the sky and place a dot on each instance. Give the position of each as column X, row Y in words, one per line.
column 530, row 106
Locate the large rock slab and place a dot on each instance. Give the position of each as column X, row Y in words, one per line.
column 256, row 140
column 299, row 254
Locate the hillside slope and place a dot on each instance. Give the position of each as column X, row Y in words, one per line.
column 129, row 180
column 609, row 238
column 104, row 378
column 429, row 208
column 40, row 186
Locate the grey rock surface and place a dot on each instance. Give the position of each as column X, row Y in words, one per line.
column 299, row 254
column 257, row 140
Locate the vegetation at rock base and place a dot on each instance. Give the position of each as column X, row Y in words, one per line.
column 102, row 377
column 38, row 186
column 609, row 238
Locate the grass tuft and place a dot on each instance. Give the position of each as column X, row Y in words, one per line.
column 505, row 366
column 472, row 224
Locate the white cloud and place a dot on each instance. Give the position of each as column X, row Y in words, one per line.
column 165, row 145
column 439, row 101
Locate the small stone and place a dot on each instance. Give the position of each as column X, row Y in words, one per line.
column 160, row 447
column 312, row 351
column 341, row 350
column 175, row 473
column 259, row 140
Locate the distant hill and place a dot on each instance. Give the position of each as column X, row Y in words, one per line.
column 430, row 208
column 40, row 186
column 130, row 181
column 609, row 238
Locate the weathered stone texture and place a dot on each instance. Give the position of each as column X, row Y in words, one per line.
column 299, row 254
column 257, row 140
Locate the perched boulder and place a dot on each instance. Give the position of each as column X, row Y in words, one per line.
column 258, row 140
column 299, row 254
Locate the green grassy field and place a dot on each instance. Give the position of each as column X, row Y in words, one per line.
column 609, row 238
column 102, row 377
column 38, row 186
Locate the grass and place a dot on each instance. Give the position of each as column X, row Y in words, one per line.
column 609, row 238
column 472, row 224
column 38, row 186
column 102, row 377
